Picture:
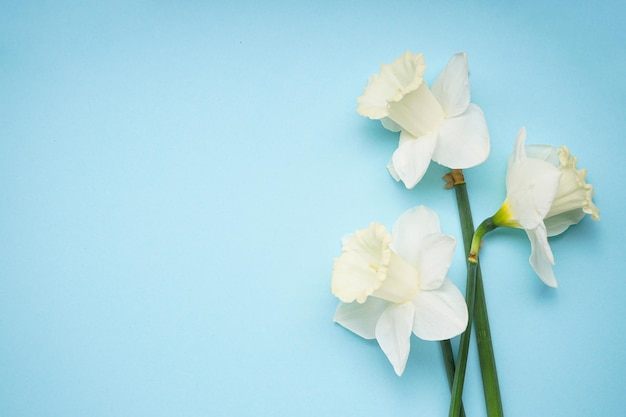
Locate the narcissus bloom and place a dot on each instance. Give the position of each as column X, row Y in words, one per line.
column 545, row 195
column 439, row 124
column 392, row 285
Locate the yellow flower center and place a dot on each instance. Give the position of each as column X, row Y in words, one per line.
column 505, row 217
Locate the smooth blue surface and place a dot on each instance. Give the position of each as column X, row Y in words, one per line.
column 175, row 178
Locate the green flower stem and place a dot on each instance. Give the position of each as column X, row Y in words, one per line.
column 459, row 375
column 485, row 227
column 448, row 359
column 486, row 356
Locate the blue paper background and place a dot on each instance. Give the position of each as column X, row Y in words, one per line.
column 175, row 178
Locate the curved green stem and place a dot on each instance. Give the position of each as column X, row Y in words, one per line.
column 485, row 227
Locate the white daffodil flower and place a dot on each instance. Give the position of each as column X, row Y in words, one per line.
column 545, row 195
column 531, row 186
column 439, row 124
column 392, row 285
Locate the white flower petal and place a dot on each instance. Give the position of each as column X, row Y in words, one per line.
column 411, row 159
column 392, row 171
column 404, row 138
column 519, row 153
column 393, row 332
column 440, row 314
column 556, row 225
column 541, row 258
column 362, row 266
column 531, row 187
column 544, row 152
column 464, row 140
column 410, row 230
column 435, row 258
column 452, row 87
column 359, row 318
